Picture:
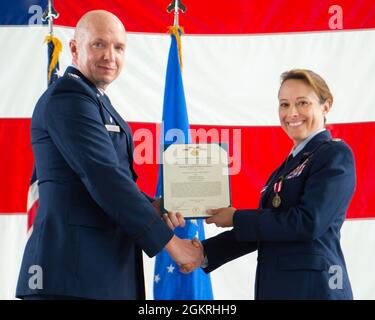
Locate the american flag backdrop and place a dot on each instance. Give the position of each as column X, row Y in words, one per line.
column 233, row 53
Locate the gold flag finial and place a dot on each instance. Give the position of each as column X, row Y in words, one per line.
column 176, row 30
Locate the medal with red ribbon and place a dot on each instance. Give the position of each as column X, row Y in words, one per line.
column 276, row 201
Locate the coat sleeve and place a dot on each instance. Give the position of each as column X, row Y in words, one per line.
column 150, row 199
column 327, row 193
column 74, row 123
column 224, row 248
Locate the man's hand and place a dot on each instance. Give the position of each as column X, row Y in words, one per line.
column 222, row 217
column 187, row 254
column 172, row 219
column 190, row 267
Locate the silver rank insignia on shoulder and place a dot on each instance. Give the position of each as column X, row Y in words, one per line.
column 73, row 75
column 336, row 139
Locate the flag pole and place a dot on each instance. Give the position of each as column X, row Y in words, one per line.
column 54, row 44
column 175, row 22
column 176, row 6
column 49, row 15
column 176, row 30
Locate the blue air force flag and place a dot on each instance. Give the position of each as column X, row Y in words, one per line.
column 169, row 282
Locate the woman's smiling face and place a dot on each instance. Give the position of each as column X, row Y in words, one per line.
column 300, row 112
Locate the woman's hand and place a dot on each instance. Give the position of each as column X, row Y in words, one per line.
column 222, row 217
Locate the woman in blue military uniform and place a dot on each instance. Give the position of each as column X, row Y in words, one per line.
column 296, row 228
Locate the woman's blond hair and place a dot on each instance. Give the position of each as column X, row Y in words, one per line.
column 315, row 81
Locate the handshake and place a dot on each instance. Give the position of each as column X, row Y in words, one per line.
column 188, row 254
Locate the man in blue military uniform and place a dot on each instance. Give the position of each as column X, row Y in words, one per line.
column 296, row 228
column 93, row 221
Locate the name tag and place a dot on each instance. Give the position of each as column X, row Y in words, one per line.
column 112, row 128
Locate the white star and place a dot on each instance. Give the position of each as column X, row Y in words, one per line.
column 170, row 268
column 157, row 278
column 58, row 72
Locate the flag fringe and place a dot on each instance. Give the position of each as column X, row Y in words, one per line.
column 57, row 47
column 177, row 31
